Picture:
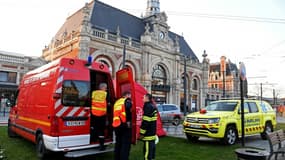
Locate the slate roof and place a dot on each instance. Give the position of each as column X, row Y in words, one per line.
column 105, row 16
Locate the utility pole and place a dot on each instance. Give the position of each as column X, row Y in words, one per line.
column 274, row 101
column 224, row 85
column 261, row 91
column 242, row 79
column 184, row 86
column 242, row 112
column 124, row 56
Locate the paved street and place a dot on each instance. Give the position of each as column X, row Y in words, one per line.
column 252, row 141
column 3, row 118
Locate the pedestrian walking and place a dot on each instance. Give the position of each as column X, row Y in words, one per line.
column 99, row 110
column 148, row 127
column 122, row 125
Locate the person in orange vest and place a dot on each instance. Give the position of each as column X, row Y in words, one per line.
column 99, row 110
column 122, row 119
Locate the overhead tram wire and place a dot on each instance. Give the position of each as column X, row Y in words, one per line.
column 229, row 17
column 221, row 16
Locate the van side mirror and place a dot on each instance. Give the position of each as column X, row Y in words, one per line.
column 9, row 103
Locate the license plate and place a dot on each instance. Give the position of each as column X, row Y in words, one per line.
column 195, row 126
column 74, row 123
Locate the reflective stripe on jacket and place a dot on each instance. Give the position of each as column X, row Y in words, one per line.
column 119, row 112
column 99, row 103
column 148, row 126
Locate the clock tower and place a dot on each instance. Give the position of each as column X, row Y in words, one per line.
column 157, row 29
column 152, row 7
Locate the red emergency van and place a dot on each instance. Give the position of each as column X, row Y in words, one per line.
column 53, row 106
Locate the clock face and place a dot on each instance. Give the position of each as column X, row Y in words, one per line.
column 161, row 35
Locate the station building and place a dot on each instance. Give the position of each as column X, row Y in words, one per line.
column 155, row 54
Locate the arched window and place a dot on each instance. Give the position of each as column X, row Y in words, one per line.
column 158, row 75
column 195, row 84
column 159, row 86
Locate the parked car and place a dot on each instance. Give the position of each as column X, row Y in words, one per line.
column 170, row 113
column 222, row 120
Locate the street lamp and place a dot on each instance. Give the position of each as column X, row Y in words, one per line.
column 184, row 86
column 224, row 84
column 185, row 58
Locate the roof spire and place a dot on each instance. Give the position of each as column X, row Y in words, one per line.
column 152, row 7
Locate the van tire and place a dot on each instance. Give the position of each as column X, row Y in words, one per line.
column 192, row 138
column 11, row 133
column 176, row 121
column 230, row 136
column 268, row 128
column 41, row 150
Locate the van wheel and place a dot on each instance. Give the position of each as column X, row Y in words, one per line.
column 42, row 152
column 176, row 121
column 10, row 132
column 230, row 135
column 268, row 128
column 192, row 138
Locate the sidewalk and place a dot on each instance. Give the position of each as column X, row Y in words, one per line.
column 280, row 119
column 4, row 118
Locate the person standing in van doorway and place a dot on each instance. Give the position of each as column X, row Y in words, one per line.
column 99, row 110
column 148, row 127
column 122, row 125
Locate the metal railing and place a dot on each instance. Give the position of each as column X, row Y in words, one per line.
column 105, row 35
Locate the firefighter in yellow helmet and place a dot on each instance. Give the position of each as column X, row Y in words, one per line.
column 122, row 119
column 99, row 110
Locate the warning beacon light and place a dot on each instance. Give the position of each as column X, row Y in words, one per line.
column 89, row 61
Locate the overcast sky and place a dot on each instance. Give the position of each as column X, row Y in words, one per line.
column 251, row 31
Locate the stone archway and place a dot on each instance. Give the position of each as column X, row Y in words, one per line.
column 181, row 93
column 159, row 83
column 195, row 93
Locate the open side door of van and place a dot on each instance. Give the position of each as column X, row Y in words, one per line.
column 125, row 82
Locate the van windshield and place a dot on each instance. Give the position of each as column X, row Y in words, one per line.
column 76, row 93
column 221, row 106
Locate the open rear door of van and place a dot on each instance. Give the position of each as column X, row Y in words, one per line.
column 125, row 82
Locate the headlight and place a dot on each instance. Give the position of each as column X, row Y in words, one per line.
column 213, row 120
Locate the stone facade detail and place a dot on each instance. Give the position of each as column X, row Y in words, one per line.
column 155, row 58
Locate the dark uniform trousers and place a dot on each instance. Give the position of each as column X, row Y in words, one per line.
column 123, row 143
column 149, row 150
column 99, row 128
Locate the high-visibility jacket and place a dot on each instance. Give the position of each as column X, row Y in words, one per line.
column 119, row 115
column 99, row 103
column 148, row 126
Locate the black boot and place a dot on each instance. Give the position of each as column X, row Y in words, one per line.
column 102, row 147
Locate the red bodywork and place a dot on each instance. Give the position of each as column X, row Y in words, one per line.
column 54, row 101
